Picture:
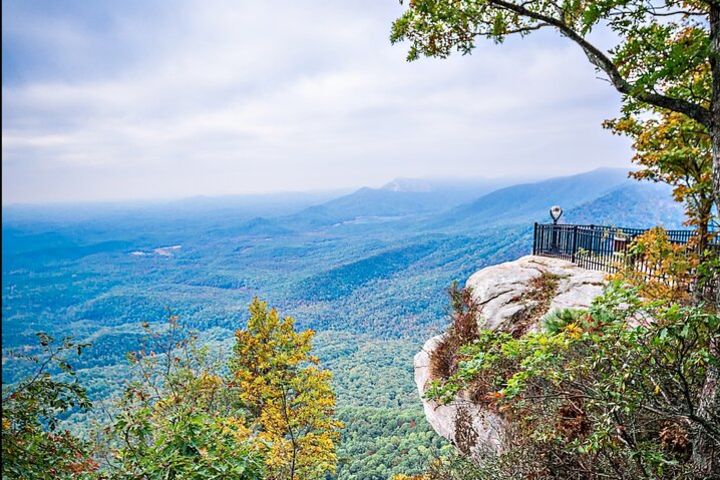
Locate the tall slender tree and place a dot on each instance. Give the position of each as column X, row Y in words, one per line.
column 290, row 398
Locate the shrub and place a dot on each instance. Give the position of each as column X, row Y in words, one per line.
column 34, row 444
column 178, row 418
column 659, row 268
column 614, row 389
column 558, row 320
column 463, row 329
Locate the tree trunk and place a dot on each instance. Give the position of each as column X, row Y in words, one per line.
column 714, row 21
column 715, row 132
column 703, row 287
column 706, row 449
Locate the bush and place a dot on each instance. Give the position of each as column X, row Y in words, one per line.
column 34, row 444
column 558, row 320
column 463, row 329
column 614, row 389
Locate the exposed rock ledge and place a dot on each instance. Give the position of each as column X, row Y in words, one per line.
column 500, row 290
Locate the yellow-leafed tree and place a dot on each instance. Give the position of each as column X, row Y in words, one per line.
column 290, row 398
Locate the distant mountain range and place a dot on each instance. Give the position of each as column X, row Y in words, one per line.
column 399, row 198
column 604, row 195
column 634, row 205
column 600, row 196
column 459, row 189
column 531, row 201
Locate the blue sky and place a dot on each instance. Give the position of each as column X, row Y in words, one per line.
column 158, row 99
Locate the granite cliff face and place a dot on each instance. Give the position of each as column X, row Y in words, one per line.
column 509, row 300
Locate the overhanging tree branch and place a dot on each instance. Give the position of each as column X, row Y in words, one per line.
column 598, row 58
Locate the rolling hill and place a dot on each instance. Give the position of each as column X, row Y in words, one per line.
column 400, row 197
column 530, row 201
column 634, row 205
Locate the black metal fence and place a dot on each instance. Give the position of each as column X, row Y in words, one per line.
column 599, row 247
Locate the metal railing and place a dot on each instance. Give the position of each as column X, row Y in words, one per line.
column 598, row 247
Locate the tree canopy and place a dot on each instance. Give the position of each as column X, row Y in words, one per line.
column 289, row 397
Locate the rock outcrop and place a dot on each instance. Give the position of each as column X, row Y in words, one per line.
column 509, row 299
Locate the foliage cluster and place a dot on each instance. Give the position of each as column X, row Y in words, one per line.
column 614, row 389
column 289, row 398
column 179, row 418
column 673, row 149
column 668, row 269
column 462, row 330
column 186, row 415
column 33, row 444
column 451, row 465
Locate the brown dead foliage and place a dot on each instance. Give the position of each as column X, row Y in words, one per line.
column 675, row 437
column 537, row 302
column 572, row 422
column 463, row 330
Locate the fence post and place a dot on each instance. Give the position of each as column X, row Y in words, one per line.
column 574, row 245
column 535, row 239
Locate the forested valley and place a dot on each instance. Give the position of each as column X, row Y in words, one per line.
column 368, row 271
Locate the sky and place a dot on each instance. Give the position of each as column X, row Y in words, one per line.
column 144, row 99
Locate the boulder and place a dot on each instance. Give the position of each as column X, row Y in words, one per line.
column 507, row 294
column 473, row 430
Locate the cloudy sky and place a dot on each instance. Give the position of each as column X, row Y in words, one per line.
column 158, row 99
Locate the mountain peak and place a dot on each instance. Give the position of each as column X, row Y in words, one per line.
column 408, row 185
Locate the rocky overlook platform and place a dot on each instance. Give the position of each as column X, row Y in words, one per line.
column 507, row 295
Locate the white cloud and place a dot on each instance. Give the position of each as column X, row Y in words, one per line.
column 221, row 97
